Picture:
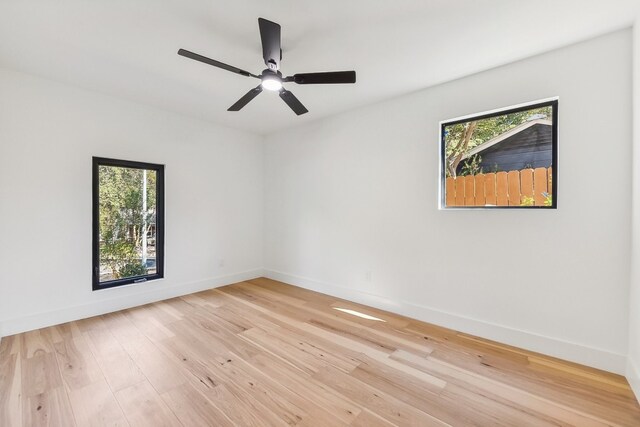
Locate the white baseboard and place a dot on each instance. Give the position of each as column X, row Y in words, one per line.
column 633, row 376
column 108, row 305
column 574, row 352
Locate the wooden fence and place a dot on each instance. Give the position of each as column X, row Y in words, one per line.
column 499, row 189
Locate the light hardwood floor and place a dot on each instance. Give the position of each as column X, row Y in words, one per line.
column 263, row 353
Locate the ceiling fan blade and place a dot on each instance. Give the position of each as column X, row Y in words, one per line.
column 293, row 102
column 246, row 99
column 332, row 77
column 191, row 55
column 271, row 49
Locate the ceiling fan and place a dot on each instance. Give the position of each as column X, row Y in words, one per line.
column 271, row 78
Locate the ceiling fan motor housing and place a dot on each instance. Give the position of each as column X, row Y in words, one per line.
column 267, row 73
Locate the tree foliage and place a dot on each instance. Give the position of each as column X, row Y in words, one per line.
column 460, row 138
column 123, row 221
column 472, row 166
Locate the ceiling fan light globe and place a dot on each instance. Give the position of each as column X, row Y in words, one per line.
column 272, row 84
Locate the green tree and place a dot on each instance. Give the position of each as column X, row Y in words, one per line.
column 471, row 166
column 123, row 221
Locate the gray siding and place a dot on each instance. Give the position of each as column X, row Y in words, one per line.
column 530, row 148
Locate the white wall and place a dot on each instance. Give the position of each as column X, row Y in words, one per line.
column 351, row 210
column 633, row 367
column 48, row 134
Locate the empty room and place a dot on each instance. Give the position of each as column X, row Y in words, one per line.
column 359, row 213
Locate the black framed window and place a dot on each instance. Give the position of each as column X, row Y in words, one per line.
column 506, row 158
column 128, row 222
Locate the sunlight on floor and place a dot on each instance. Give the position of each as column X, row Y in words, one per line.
column 357, row 313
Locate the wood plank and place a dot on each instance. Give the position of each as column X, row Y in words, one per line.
column 159, row 370
column 326, row 398
column 378, row 402
column 212, row 332
column 460, row 191
column 481, row 197
column 10, row 387
column 469, row 190
column 90, row 324
column 35, row 343
column 359, row 328
column 578, row 371
column 245, row 375
column 513, row 180
column 143, row 406
column 68, row 330
column 52, row 334
column 40, row 374
column 163, row 373
column 394, row 321
column 524, row 398
column 487, row 409
column 77, row 364
column 409, row 379
column 6, row 344
column 116, row 365
column 370, row 350
column 95, row 405
column 450, row 191
column 490, row 189
column 146, row 321
column 502, row 189
column 474, row 353
column 526, row 183
column 450, row 412
column 194, row 364
column 540, row 185
column 369, row 419
column 306, row 295
column 193, row 409
column 315, row 349
column 240, row 408
column 51, row 408
column 297, row 359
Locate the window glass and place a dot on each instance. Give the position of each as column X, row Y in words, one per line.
column 127, row 222
column 503, row 159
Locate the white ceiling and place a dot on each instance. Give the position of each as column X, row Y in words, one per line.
column 127, row 48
